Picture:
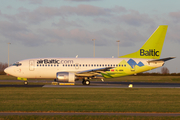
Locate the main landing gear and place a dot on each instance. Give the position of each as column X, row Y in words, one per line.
column 85, row 82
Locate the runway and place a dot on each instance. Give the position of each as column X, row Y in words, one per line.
column 96, row 84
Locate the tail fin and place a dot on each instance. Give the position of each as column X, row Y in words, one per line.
column 153, row 46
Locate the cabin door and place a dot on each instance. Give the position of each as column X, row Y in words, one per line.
column 31, row 65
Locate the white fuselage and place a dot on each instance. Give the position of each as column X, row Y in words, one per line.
column 48, row 67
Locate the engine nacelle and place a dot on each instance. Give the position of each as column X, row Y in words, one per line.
column 65, row 77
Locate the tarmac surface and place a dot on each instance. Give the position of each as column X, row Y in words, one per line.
column 95, row 84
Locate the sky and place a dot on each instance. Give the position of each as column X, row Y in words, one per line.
column 65, row 28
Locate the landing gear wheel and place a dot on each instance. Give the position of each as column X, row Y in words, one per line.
column 86, row 82
column 25, row 82
column 83, row 82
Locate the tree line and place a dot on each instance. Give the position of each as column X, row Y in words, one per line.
column 2, row 67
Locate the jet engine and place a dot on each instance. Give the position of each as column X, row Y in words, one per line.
column 65, row 77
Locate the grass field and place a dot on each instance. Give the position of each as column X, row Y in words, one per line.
column 83, row 117
column 90, row 99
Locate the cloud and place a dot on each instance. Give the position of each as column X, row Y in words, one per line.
column 119, row 9
column 38, row 15
column 16, row 32
column 104, row 37
column 66, row 24
column 82, row 0
column 175, row 16
column 173, row 33
column 130, row 17
column 85, row 10
column 33, row 1
column 9, row 27
column 21, row 27
column 46, row 13
column 136, row 19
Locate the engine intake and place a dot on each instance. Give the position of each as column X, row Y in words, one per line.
column 65, row 77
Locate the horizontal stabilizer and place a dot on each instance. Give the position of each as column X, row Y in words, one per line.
column 163, row 59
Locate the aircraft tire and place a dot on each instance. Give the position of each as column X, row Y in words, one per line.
column 83, row 82
column 87, row 82
column 25, row 82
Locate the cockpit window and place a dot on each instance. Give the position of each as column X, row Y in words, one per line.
column 17, row 64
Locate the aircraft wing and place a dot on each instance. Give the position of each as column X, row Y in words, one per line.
column 92, row 72
column 163, row 59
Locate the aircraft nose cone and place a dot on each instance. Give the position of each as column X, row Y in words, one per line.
column 7, row 70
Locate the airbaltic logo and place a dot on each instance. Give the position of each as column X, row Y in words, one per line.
column 150, row 52
column 54, row 61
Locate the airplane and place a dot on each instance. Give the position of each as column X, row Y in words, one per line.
column 68, row 70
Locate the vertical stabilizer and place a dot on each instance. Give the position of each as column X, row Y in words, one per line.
column 153, row 46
